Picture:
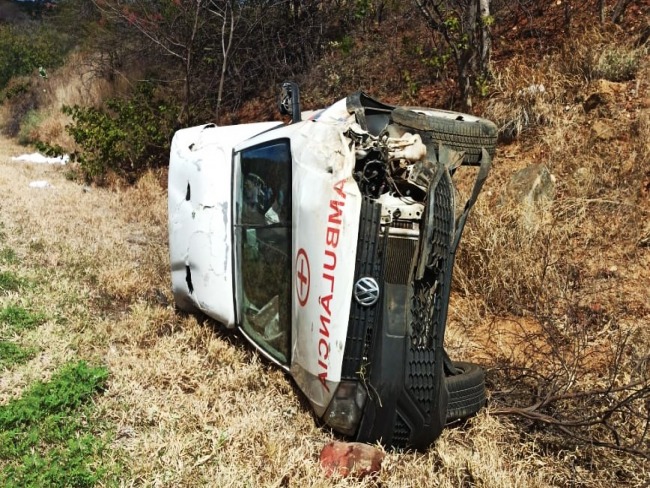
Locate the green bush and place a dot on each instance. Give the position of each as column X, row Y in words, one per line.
column 10, row 282
column 14, row 318
column 128, row 137
column 11, row 354
column 26, row 47
column 48, row 437
column 22, row 100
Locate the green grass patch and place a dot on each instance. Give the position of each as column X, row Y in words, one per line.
column 10, row 282
column 12, row 354
column 8, row 256
column 47, row 436
column 16, row 319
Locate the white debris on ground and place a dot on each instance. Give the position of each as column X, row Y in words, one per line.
column 40, row 184
column 39, row 158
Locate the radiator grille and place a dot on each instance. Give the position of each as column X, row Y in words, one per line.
column 427, row 307
column 364, row 320
column 399, row 256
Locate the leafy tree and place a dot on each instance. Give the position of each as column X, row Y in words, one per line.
column 464, row 26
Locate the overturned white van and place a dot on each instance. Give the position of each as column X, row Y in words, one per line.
column 329, row 244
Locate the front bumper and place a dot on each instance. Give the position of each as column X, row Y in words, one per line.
column 395, row 348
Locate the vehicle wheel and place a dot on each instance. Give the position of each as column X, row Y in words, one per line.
column 461, row 132
column 466, row 391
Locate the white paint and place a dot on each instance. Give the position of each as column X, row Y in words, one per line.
column 200, row 233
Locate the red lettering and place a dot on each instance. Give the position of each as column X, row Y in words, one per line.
column 323, row 344
column 323, row 377
column 325, row 303
column 339, row 188
column 335, row 217
column 329, row 278
column 332, row 237
column 332, row 255
column 324, row 321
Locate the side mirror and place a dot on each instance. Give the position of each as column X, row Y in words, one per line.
column 289, row 102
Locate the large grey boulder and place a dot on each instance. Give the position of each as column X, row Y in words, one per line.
column 529, row 186
column 530, row 191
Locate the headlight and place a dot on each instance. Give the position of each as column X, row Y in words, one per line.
column 345, row 409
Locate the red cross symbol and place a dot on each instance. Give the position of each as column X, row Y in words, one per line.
column 302, row 277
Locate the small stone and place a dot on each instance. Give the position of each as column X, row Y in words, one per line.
column 351, row 459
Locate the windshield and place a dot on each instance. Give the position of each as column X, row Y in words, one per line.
column 263, row 232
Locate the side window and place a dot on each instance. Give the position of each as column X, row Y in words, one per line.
column 263, row 229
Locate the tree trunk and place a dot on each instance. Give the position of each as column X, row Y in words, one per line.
column 486, row 40
column 469, row 61
column 185, row 115
column 225, row 50
column 619, row 10
column 601, row 10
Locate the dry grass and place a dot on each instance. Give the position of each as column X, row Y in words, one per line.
column 36, row 115
column 191, row 405
column 554, row 300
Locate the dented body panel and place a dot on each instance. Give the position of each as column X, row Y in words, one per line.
column 326, row 212
column 329, row 244
column 200, row 217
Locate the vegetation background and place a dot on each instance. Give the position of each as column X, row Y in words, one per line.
column 103, row 383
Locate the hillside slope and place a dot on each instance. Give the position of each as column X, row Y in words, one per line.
column 552, row 300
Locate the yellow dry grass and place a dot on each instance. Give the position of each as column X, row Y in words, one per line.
column 192, row 405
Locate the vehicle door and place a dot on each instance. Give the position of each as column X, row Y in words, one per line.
column 262, row 230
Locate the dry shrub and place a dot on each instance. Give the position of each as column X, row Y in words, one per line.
column 549, row 298
column 507, row 257
column 146, row 201
column 563, row 348
column 600, row 54
column 34, row 111
column 526, row 97
column 144, row 208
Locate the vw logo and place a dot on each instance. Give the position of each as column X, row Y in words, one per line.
column 366, row 291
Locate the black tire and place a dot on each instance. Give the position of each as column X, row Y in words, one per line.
column 466, row 391
column 461, row 132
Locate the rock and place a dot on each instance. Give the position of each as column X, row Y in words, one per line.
column 583, row 175
column 602, row 93
column 351, row 459
column 530, row 190
column 530, row 185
